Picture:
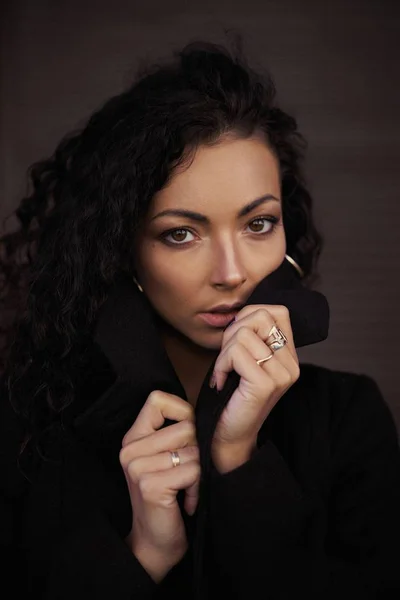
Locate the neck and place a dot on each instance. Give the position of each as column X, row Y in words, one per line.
column 190, row 361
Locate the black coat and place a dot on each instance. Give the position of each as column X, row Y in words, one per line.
column 315, row 513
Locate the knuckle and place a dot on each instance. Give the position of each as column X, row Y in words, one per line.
column 196, row 471
column 154, row 397
column 266, row 316
column 133, row 471
column 282, row 310
column 129, row 438
column 296, row 371
column 129, row 435
column 188, row 429
column 287, row 379
column 125, row 454
column 190, row 411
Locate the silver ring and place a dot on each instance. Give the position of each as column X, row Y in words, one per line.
column 279, row 339
column 176, row 461
column 263, row 360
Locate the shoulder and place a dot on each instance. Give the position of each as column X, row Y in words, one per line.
column 326, row 379
column 340, row 388
column 350, row 403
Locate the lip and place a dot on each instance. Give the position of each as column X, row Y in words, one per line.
column 218, row 319
column 226, row 307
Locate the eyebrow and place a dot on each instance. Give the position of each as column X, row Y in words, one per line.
column 194, row 216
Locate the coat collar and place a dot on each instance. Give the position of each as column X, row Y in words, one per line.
column 127, row 335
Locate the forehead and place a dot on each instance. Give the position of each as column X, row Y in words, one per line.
column 233, row 172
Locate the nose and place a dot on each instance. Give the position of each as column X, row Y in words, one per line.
column 227, row 266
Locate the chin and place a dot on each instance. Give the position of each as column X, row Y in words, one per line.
column 211, row 341
column 206, row 341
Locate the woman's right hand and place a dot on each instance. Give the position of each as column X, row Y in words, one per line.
column 158, row 536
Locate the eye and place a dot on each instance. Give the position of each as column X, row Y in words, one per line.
column 178, row 236
column 261, row 222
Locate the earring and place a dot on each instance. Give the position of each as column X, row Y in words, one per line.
column 138, row 285
column 295, row 265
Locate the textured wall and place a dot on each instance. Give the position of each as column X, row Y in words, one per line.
column 336, row 69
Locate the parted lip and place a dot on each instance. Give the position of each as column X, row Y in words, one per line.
column 225, row 308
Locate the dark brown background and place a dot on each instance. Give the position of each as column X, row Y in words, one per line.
column 336, row 69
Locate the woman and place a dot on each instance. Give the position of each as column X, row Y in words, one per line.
column 158, row 436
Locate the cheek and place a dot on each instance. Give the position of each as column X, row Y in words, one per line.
column 280, row 244
column 162, row 275
column 152, row 266
column 274, row 254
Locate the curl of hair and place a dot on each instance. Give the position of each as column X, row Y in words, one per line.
column 87, row 201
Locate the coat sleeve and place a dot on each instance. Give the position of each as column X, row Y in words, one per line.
column 269, row 534
column 93, row 562
column 90, row 560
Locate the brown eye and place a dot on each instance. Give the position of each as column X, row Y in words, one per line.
column 176, row 237
column 258, row 225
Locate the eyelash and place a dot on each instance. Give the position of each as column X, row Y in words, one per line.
column 273, row 220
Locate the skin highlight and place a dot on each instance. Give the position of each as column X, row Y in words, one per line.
column 186, row 267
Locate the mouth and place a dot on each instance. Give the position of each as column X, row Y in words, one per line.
column 218, row 319
column 226, row 308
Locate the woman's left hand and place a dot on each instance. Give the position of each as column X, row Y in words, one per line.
column 260, row 386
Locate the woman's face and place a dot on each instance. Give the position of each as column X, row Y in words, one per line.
column 224, row 241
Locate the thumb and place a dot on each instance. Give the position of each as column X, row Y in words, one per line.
column 191, row 498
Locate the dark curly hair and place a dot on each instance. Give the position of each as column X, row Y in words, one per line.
column 88, row 199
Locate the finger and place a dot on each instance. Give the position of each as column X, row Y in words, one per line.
column 264, row 317
column 192, row 496
column 158, row 407
column 159, row 462
column 177, row 435
column 261, row 318
column 236, row 357
column 284, row 369
column 160, row 488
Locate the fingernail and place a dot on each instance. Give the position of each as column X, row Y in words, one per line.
column 190, row 511
column 213, row 381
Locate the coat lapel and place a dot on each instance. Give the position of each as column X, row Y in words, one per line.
column 127, row 333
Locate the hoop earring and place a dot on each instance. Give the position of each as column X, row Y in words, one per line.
column 138, row 285
column 295, row 265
